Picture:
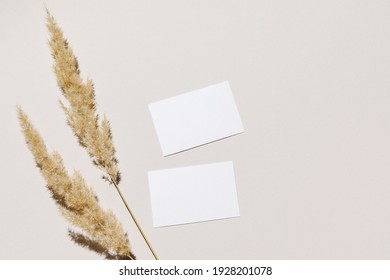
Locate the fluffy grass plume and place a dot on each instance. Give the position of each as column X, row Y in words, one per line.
column 94, row 135
column 101, row 231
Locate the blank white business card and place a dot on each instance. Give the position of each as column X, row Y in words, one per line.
column 195, row 118
column 193, row 194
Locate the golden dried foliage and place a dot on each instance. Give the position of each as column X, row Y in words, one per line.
column 101, row 232
column 77, row 202
column 94, row 135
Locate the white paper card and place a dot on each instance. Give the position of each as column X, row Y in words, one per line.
column 195, row 118
column 193, row 194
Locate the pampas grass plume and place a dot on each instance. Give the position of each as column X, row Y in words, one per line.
column 100, row 230
column 76, row 201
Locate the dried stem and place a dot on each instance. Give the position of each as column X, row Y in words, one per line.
column 134, row 219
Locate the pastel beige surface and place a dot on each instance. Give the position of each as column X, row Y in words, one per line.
column 311, row 83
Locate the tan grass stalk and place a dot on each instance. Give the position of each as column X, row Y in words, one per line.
column 101, row 231
column 92, row 134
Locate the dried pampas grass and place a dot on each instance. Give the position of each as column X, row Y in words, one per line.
column 77, row 202
column 81, row 114
column 100, row 230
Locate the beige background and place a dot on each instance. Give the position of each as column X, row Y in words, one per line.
column 312, row 83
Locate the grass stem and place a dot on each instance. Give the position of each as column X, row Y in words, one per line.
column 134, row 219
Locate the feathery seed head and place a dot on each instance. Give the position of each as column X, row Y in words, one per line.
column 93, row 135
column 76, row 201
